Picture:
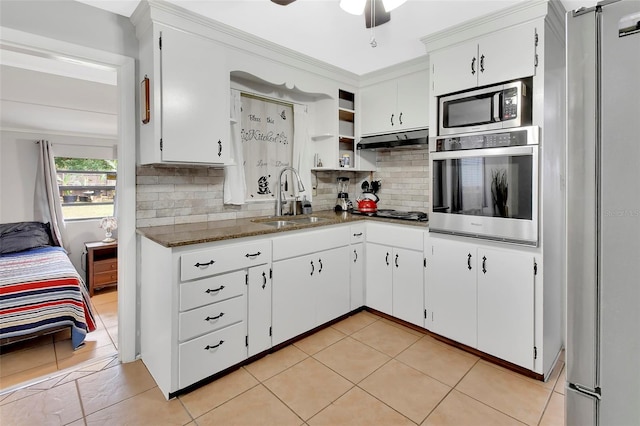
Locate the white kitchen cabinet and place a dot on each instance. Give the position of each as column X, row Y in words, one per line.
column 193, row 313
column 188, row 98
column 357, row 276
column 396, row 105
column 505, row 305
column 495, row 58
column 310, row 280
column 394, row 271
column 482, row 297
column 259, row 309
column 452, row 290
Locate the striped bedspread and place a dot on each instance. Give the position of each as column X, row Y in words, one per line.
column 40, row 289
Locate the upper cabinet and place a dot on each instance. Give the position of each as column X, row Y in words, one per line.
column 500, row 56
column 395, row 105
column 189, row 99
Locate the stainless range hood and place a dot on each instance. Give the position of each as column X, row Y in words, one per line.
column 415, row 139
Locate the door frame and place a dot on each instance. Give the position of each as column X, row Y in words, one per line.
column 126, row 185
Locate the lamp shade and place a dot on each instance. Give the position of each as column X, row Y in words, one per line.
column 354, row 7
column 389, row 5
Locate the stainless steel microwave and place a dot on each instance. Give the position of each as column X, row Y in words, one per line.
column 490, row 108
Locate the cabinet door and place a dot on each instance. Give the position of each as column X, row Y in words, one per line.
column 357, row 276
column 377, row 108
column 195, row 99
column 379, row 278
column 331, row 284
column 505, row 305
column 293, row 307
column 454, row 68
column 452, row 295
column 507, row 55
column 407, row 286
column 413, row 101
column 259, row 309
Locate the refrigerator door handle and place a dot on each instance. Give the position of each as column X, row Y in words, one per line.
column 594, row 393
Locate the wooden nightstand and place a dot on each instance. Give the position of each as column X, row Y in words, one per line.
column 102, row 265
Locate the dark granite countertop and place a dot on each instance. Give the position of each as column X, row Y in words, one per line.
column 221, row 230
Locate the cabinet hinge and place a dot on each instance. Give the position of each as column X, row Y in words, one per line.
column 270, row 331
column 246, row 340
column 535, row 37
column 535, row 268
column 270, row 273
column 535, row 61
column 535, row 352
column 425, row 314
column 424, row 262
column 160, row 42
column 160, row 144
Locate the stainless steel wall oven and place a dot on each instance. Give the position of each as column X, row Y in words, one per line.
column 485, row 185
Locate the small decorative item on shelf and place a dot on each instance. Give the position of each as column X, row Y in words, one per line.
column 108, row 223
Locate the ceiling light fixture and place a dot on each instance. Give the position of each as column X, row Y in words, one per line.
column 356, row 7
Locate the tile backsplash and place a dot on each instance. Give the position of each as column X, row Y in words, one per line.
column 168, row 195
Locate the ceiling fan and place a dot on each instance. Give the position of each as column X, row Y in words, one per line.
column 376, row 12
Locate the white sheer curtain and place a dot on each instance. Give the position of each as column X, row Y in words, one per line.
column 235, row 186
column 47, row 204
column 301, row 140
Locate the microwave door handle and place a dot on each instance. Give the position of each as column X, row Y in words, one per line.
column 496, row 107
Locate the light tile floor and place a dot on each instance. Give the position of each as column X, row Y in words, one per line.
column 47, row 355
column 363, row 370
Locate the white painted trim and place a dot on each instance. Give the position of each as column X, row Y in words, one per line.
column 125, row 67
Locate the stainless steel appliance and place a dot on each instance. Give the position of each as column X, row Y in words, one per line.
column 603, row 215
column 342, row 202
column 486, row 185
column 490, row 108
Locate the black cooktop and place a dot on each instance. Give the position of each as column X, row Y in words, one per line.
column 396, row 214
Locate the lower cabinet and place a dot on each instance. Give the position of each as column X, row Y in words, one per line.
column 394, row 271
column 259, row 309
column 482, row 297
column 309, row 291
column 357, row 275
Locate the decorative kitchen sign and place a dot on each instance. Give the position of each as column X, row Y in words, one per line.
column 267, row 145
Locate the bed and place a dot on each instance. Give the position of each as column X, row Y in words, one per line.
column 40, row 289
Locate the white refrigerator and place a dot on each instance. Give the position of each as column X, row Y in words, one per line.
column 603, row 215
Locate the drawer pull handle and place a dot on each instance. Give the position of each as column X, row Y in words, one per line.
column 264, row 280
column 211, row 262
column 386, row 259
column 484, row 264
column 469, row 261
column 253, row 255
column 396, row 260
column 359, row 234
column 355, row 259
column 320, row 261
column 213, row 346
column 214, row 290
column 214, row 318
column 313, row 268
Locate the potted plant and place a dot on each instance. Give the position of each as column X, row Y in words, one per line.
column 68, row 197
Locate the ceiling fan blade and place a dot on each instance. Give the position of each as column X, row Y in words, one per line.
column 380, row 16
column 283, row 2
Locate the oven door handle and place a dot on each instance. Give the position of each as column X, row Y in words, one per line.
column 485, row 152
column 496, row 107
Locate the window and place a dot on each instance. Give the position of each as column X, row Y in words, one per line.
column 87, row 187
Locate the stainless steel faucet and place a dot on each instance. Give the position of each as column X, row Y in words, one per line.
column 281, row 194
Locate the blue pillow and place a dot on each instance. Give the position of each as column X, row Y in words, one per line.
column 22, row 236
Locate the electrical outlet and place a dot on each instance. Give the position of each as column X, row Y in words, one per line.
column 314, row 191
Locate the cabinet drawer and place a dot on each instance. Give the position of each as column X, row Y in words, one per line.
column 204, row 263
column 395, row 236
column 212, row 317
column 213, row 289
column 357, row 233
column 104, row 278
column 105, row 265
column 206, row 355
column 307, row 242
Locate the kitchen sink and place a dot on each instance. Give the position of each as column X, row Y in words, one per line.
column 278, row 223
column 308, row 219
